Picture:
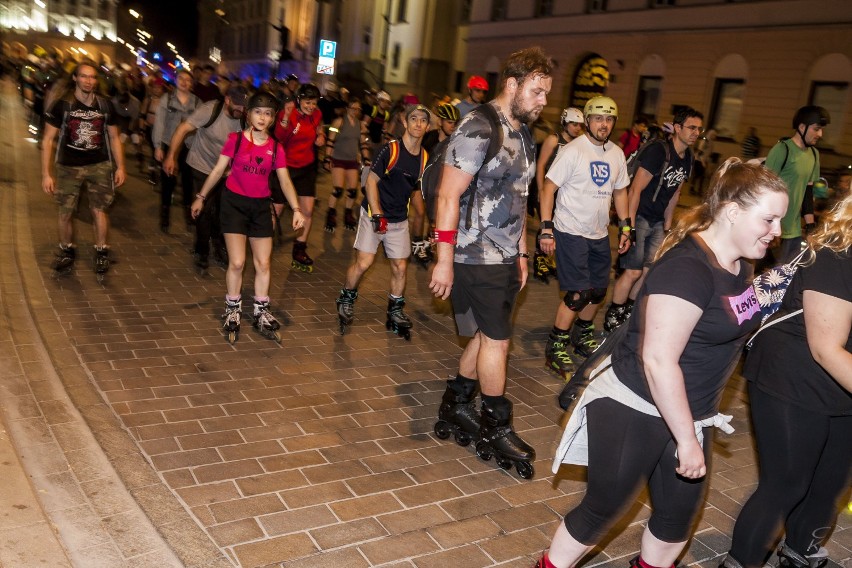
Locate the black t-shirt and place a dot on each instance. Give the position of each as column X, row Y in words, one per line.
column 430, row 140
column 378, row 117
column 730, row 312
column 396, row 186
column 83, row 140
column 678, row 170
column 780, row 361
column 328, row 108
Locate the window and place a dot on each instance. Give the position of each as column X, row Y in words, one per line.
column 459, row 82
column 648, row 97
column 727, row 107
column 543, row 8
column 499, row 9
column 593, row 6
column 397, row 52
column 661, row 3
column 466, row 7
column 832, row 96
column 401, row 10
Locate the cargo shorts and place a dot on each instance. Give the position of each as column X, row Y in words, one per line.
column 97, row 179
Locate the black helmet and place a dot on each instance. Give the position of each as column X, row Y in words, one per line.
column 448, row 112
column 262, row 99
column 292, row 77
column 307, row 91
column 811, row 114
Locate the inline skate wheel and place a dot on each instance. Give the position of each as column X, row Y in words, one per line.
column 232, row 337
column 463, row 438
column 442, row 430
column 276, row 335
column 504, row 463
column 525, row 469
column 483, row 451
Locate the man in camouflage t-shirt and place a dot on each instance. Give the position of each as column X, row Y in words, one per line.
column 482, row 252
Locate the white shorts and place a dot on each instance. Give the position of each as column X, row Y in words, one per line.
column 397, row 240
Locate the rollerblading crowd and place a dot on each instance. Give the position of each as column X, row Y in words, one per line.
column 653, row 402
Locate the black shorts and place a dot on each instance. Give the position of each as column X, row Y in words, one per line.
column 483, row 297
column 582, row 263
column 304, row 180
column 249, row 216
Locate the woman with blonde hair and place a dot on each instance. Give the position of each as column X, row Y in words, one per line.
column 800, row 392
column 648, row 414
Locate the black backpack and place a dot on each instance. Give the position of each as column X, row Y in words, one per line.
column 431, row 178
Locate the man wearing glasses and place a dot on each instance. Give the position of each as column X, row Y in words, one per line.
column 663, row 167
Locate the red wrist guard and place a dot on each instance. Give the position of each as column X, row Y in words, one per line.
column 449, row 237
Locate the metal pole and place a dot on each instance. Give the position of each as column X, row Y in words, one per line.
column 385, row 41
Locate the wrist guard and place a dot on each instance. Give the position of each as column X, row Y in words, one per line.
column 380, row 223
column 449, row 237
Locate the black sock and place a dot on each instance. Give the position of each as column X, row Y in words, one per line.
column 584, row 323
column 557, row 331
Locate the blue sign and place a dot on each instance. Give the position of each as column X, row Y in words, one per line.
column 328, row 48
column 157, row 56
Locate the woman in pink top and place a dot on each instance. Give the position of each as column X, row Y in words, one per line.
column 248, row 207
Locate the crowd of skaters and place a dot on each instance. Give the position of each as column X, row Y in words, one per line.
column 650, row 417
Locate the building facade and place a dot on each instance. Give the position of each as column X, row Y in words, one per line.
column 70, row 28
column 743, row 63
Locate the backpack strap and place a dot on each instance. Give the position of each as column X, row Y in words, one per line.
column 495, row 143
column 666, row 163
column 424, row 159
column 217, row 110
column 393, row 148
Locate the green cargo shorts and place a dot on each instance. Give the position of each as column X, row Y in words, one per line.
column 98, row 180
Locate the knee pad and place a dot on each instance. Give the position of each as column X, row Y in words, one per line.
column 337, row 191
column 597, row 295
column 576, row 300
column 351, row 193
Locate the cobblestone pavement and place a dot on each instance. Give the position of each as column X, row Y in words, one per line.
column 320, row 448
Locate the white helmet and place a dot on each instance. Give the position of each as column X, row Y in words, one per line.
column 383, row 96
column 571, row 114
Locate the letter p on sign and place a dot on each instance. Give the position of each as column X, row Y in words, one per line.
column 328, row 48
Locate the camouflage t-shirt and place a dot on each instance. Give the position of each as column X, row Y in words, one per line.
column 500, row 194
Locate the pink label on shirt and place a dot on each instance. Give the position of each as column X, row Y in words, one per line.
column 745, row 305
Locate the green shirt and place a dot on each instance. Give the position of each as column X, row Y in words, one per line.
column 800, row 170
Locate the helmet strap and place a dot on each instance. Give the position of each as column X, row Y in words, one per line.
column 803, row 135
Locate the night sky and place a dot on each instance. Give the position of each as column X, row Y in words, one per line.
column 171, row 20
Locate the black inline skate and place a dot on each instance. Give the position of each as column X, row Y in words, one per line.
column 231, row 320
column 457, row 415
column 330, row 220
column 350, row 221
column 789, row 558
column 615, row 316
column 101, row 263
column 346, row 308
column 264, row 322
column 541, row 267
column 419, row 253
column 301, row 260
column 63, row 263
column 583, row 338
column 497, row 439
column 556, row 356
column 397, row 321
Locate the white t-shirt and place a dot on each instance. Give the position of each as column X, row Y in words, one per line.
column 586, row 176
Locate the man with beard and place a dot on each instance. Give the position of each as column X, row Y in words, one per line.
column 89, row 144
column 212, row 122
column 588, row 172
column 482, row 254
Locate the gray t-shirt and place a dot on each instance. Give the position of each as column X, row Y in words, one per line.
column 209, row 141
column 499, row 202
column 465, row 107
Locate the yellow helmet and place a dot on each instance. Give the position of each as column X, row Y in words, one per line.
column 600, row 105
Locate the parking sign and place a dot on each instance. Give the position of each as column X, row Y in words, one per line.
column 328, row 48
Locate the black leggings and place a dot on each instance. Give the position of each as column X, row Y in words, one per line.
column 628, row 449
column 805, row 469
